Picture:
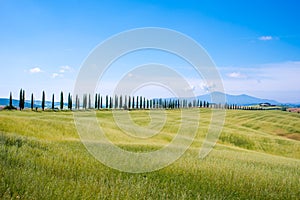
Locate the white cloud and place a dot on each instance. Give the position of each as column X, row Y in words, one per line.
column 279, row 81
column 64, row 69
column 236, row 75
column 208, row 87
column 190, row 88
column 35, row 70
column 55, row 75
column 266, row 38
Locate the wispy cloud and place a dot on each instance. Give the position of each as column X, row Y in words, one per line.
column 266, row 38
column 207, row 86
column 62, row 70
column 55, row 75
column 35, row 70
column 65, row 68
column 279, row 81
column 236, row 75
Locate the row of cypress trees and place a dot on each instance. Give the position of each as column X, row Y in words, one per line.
column 22, row 101
column 116, row 102
column 122, row 102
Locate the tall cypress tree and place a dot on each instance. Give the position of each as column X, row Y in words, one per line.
column 110, row 102
column 69, row 101
column 61, row 100
column 84, row 101
column 89, row 101
column 32, row 101
column 125, row 102
column 52, row 107
column 106, row 101
column 132, row 102
column 10, row 100
column 76, row 101
column 20, row 100
column 116, row 101
column 23, row 100
column 43, row 101
column 100, row 107
column 96, row 101
column 129, row 102
column 121, row 102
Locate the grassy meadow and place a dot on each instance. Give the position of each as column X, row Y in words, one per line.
column 257, row 157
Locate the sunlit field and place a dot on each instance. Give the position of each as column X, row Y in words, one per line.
column 257, row 157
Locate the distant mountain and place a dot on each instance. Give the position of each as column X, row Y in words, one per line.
column 5, row 102
column 242, row 99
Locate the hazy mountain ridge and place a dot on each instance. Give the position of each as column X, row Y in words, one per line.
column 242, row 99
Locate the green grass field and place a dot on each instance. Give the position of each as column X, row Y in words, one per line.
column 257, row 157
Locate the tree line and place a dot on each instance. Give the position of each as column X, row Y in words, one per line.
column 121, row 102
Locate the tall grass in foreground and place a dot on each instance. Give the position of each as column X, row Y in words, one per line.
column 41, row 157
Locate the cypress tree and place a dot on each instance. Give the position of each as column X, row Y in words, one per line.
column 89, row 101
column 61, row 100
column 99, row 101
column 52, row 107
column 106, row 101
column 125, row 101
column 20, row 100
column 31, row 101
column 116, row 101
column 110, row 102
column 43, row 101
column 76, row 101
column 121, row 102
column 23, row 100
column 137, row 102
column 69, row 101
column 96, row 101
column 84, row 101
column 129, row 102
column 133, row 102
column 10, row 100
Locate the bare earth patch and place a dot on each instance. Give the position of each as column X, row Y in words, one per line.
column 296, row 110
column 293, row 136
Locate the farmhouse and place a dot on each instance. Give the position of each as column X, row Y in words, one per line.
column 265, row 104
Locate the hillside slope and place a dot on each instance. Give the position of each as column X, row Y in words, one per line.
column 257, row 157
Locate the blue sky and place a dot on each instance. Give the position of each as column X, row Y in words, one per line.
column 254, row 44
